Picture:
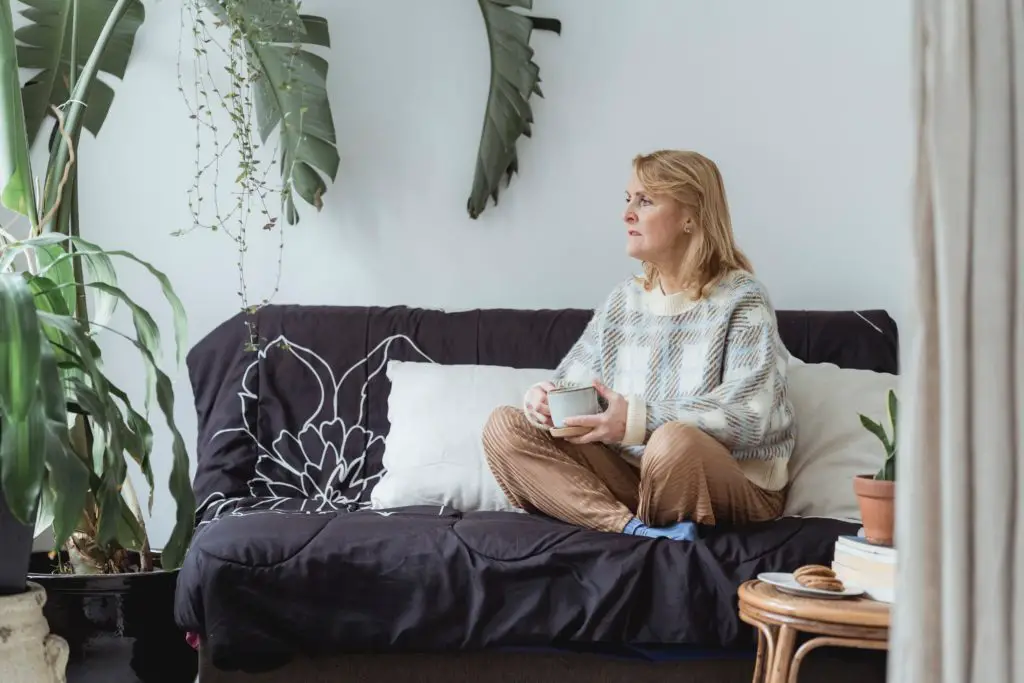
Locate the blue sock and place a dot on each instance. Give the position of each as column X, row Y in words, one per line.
column 680, row 531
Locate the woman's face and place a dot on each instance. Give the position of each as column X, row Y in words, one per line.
column 658, row 228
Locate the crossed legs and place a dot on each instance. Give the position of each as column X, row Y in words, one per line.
column 684, row 475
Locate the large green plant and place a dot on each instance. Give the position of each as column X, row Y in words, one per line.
column 66, row 430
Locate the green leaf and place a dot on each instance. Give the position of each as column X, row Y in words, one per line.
column 46, row 45
column 48, row 297
column 60, row 272
column 146, row 330
column 180, row 483
column 129, row 533
column 60, row 148
column 16, row 190
column 22, row 449
column 514, row 78
column 20, row 349
column 67, row 478
column 22, row 407
column 876, row 429
column 135, row 434
column 85, row 347
column 893, row 406
column 291, row 93
column 107, row 458
column 100, row 266
column 97, row 263
column 55, row 261
column 888, row 470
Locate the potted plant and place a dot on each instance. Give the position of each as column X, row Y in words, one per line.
column 66, row 431
column 66, row 434
column 876, row 492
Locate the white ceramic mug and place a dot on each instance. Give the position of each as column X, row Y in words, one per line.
column 572, row 402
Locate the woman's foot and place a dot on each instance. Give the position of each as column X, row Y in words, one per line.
column 680, row 531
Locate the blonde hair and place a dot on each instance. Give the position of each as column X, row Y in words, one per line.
column 695, row 182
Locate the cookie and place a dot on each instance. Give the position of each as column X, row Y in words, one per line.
column 814, row 570
column 822, row 583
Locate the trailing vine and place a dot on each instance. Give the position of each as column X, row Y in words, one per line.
column 224, row 87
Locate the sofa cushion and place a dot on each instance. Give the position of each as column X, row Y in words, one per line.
column 264, row 585
column 433, row 454
column 832, row 446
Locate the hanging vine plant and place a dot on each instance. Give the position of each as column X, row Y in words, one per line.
column 514, row 78
column 273, row 84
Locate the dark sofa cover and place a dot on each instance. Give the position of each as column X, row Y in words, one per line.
column 289, row 558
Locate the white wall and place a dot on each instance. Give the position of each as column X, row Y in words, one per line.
column 805, row 104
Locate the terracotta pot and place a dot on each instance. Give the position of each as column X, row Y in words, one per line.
column 877, row 500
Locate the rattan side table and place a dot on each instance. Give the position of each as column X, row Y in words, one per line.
column 778, row 617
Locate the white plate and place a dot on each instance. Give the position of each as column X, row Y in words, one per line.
column 785, row 582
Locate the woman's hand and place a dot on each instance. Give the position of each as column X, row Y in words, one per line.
column 609, row 426
column 537, row 403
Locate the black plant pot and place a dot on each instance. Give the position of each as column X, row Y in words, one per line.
column 118, row 626
column 16, row 542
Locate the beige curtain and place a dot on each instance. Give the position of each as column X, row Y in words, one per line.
column 959, row 614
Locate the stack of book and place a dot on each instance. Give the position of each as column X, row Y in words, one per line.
column 871, row 567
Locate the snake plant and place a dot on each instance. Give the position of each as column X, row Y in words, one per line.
column 888, row 470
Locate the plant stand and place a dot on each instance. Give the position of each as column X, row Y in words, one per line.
column 29, row 653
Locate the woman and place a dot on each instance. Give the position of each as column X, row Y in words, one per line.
column 698, row 426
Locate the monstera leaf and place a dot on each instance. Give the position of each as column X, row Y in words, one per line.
column 291, row 91
column 514, row 77
column 46, row 44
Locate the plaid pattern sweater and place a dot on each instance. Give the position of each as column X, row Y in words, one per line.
column 717, row 364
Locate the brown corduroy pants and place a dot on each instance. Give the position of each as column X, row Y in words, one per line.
column 684, row 475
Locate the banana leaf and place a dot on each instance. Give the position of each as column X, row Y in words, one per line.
column 290, row 92
column 16, row 190
column 46, row 45
column 514, row 78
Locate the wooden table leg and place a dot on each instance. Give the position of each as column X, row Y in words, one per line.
column 821, row 641
column 779, row 669
column 765, row 651
column 759, row 662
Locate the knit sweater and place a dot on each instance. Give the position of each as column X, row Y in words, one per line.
column 716, row 363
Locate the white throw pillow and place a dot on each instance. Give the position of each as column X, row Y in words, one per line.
column 832, row 446
column 433, row 453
